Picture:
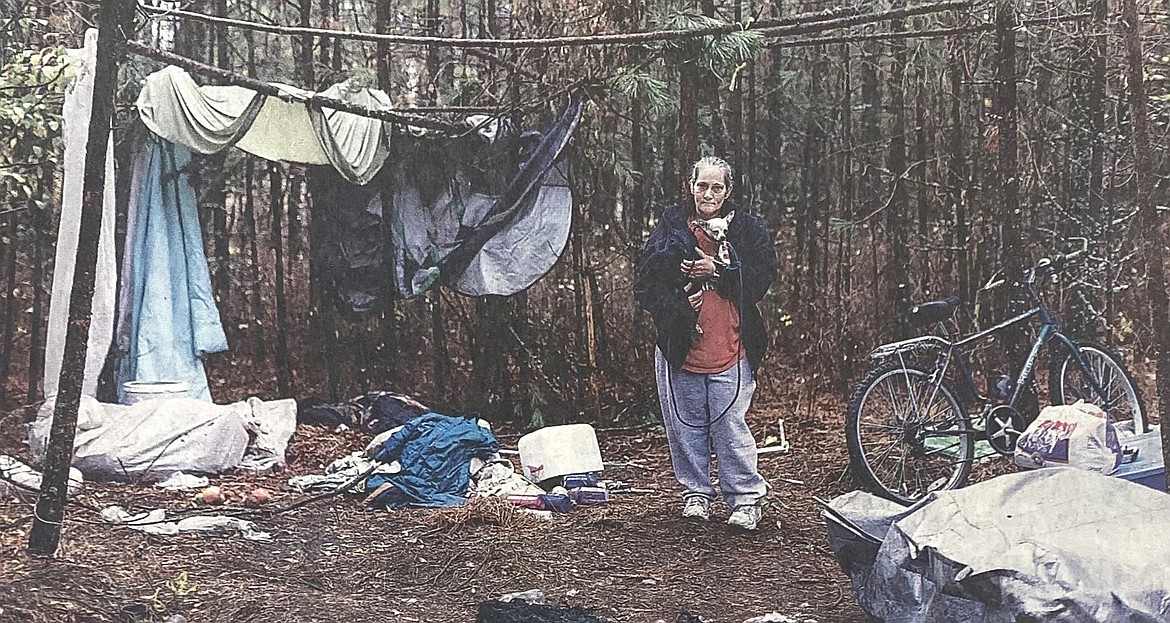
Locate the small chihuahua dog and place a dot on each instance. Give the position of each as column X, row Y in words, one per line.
column 714, row 229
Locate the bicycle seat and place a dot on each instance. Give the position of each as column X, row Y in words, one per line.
column 933, row 311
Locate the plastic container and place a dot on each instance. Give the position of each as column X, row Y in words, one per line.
column 1147, row 469
column 137, row 391
column 558, row 451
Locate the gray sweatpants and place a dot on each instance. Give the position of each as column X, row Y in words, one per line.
column 698, row 419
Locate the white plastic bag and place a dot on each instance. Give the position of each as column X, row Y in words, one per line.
column 1078, row 435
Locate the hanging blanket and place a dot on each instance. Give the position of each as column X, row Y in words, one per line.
column 168, row 318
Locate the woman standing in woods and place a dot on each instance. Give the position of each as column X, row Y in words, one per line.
column 702, row 293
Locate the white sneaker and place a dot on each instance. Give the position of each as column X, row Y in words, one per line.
column 696, row 507
column 745, row 517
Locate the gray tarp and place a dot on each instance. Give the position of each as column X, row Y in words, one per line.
column 1052, row 545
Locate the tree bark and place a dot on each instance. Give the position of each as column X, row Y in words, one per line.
column 115, row 19
column 283, row 366
column 900, row 284
column 1155, row 226
column 36, row 330
column 10, row 304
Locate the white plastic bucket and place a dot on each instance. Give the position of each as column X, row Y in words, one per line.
column 137, row 391
column 559, row 450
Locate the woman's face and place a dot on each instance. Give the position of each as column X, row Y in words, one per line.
column 710, row 191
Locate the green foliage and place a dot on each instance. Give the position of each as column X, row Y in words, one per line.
column 722, row 54
column 32, row 83
column 655, row 94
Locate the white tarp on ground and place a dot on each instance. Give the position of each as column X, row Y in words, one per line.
column 1052, row 545
column 78, row 101
column 151, row 440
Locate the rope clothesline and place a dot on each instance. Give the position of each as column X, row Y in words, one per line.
column 800, row 24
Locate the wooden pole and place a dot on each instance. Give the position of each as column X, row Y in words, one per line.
column 115, row 19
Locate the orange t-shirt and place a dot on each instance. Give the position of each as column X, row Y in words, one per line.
column 718, row 347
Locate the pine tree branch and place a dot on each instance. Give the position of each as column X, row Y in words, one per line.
column 924, row 34
column 801, row 24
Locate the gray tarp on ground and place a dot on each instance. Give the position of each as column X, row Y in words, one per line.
column 1052, row 545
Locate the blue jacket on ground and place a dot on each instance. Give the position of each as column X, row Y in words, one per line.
column 435, row 451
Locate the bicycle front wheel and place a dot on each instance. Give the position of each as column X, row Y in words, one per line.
column 1068, row 383
column 908, row 435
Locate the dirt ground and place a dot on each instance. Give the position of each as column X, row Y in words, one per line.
column 634, row 560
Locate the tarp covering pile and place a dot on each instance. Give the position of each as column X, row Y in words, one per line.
column 1047, row 546
column 151, row 440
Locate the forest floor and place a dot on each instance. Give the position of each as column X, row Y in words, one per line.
column 633, row 560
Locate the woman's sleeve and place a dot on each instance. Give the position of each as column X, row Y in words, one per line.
column 657, row 283
column 754, row 265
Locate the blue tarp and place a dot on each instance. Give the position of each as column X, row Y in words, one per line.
column 168, row 317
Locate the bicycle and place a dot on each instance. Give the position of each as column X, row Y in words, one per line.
column 909, row 432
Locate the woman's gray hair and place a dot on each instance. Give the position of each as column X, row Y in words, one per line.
column 718, row 163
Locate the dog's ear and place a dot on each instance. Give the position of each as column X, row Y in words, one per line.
column 730, row 216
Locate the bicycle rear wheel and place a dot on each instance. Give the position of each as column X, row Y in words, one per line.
column 1068, row 383
column 908, row 436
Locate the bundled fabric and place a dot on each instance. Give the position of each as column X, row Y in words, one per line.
column 151, row 440
column 435, row 453
column 485, row 218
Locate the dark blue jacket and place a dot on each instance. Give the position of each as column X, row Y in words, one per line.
column 658, row 285
column 434, row 451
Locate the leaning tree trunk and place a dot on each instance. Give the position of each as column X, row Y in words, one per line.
column 1155, row 227
column 115, row 19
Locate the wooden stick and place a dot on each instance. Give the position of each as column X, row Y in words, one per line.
column 264, row 88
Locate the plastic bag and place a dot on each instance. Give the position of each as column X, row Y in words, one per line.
column 1078, row 435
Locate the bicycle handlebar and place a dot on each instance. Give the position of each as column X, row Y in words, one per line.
column 1046, row 266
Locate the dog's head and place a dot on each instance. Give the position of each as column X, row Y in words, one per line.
column 717, row 227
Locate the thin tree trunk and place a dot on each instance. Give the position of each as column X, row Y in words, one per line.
column 1012, row 254
column 10, row 304
column 958, row 245
column 115, row 19
column 871, row 98
column 896, row 211
column 306, row 45
column 258, row 341
column 36, row 330
column 440, row 357
column 1155, row 226
column 688, row 118
column 283, row 366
